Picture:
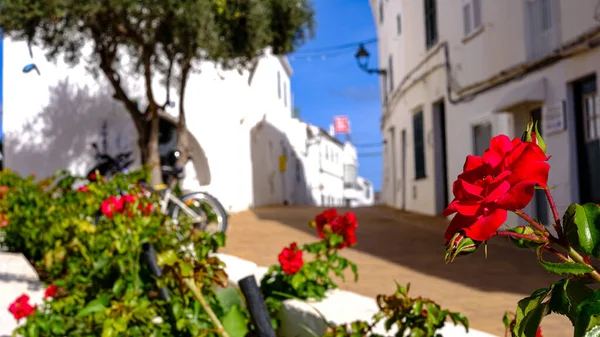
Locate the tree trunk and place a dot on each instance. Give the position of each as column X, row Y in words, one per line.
column 152, row 156
column 182, row 133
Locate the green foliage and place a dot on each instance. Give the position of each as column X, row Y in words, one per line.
column 582, row 227
column 312, row 281
column 105, row 288
column 405, row 316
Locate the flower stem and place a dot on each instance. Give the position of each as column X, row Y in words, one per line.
column 577, row 257
column 530, row 237
column 557, row 254
column 192, row 286
column 532, row 222
column 557, row 225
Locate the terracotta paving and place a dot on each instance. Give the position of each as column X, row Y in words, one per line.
column 405, row 247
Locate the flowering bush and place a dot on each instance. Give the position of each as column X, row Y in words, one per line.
column 305, row 271
column 408, row 316
column 95, row 266
column 504, row 180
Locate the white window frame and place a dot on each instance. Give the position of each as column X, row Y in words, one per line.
column 471, row 11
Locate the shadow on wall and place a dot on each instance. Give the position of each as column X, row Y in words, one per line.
column 60, row 136
column 270, row 186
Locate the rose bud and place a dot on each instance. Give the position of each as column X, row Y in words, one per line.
column 525, row 243
column 532, row 135
column 460, row 245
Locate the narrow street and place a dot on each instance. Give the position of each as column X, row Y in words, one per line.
column 404, row 247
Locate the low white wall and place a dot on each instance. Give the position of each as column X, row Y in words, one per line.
column 17, row 276
column 338, row 308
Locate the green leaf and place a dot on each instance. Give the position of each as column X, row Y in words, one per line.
column 228, row 298
column 582, row 225
column 566, row 296
column 530, row 312
column 33, row 330
column 92, row 307
column 234, row 322
column 167, row 258
column 220, row 239
column 186, row 269
column 588, row 314
column 118, row 287
column 297, row 280
column 460, row 318
column 354, row 269
column 108, row 330
column 562, row 268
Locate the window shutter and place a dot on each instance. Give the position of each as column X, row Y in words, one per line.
column 477, row 22
column 467, row 18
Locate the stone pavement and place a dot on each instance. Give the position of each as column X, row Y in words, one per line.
column 404, row 247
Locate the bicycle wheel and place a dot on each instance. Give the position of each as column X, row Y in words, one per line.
column 208, row 207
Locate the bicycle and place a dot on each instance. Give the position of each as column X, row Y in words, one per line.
column 207, row 207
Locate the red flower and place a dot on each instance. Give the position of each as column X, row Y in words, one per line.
column 92, row 176
column 502, row 180
column 128, row 198
column 290, row 259
column 83, row 188
column 146, row 210
column 21, row 308
column 50, row 291
column 539, row 332
column 111, row 205
column 344, row 225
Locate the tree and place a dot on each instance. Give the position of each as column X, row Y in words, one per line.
column 164, row 39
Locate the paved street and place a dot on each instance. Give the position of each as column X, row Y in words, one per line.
column 394, row 245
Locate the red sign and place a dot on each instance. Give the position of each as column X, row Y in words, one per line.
column 341, row 124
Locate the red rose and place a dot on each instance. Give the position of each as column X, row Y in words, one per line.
column 111, row 205
column 344, row 225
column 21, row 308
column 502, row 180
column 128, row 198
column 146, row 210
column 83, row 188
column 50, row 291
column 290, row 259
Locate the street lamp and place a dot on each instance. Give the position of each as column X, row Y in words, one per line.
column 362, row 58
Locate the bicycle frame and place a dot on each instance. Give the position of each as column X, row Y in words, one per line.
column 167, row 198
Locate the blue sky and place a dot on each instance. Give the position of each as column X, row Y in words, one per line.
column 329, row 83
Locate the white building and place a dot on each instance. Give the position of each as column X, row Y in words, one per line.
column 459, row 72
column 241, row 126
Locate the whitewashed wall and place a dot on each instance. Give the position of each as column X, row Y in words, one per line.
column 499, row 43
column 51, row 119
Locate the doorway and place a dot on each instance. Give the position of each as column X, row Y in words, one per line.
column 539, row 198
column 403, row 167
column 393, row 159
column 587, row 118
column 441, row 170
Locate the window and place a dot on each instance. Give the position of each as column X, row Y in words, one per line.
column 285, row 94
column 398, row 24
column 591, row 118
column 380, row 11
column 278, row 84
column 419, row 145
column 326, row 152
column 471, row 16
column 367, row 190
column 542, row 33
column 350, row 175
column 391, row 71
column 431, row 33
column 298, row 170
column 482, row 134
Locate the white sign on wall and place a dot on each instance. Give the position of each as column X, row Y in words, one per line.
column 553, row 117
